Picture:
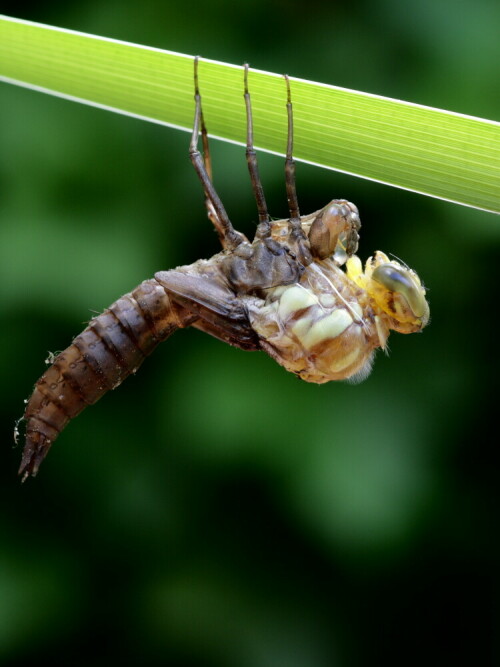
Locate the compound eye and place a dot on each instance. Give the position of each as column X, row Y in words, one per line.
column 401, row 281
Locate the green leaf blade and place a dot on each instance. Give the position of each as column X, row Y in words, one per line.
column 434, row 152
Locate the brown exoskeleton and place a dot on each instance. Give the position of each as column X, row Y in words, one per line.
column 285, row 293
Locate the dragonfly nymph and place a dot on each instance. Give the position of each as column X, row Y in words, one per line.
column 297, row 291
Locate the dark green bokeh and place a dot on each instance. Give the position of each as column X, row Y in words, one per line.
column 214, row 510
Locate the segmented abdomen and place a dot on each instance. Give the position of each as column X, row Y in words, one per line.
column 113, row 346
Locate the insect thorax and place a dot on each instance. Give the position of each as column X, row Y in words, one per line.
column 276, row 258
column 322, row 327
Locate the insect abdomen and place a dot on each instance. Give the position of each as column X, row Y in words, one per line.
column 113, row 346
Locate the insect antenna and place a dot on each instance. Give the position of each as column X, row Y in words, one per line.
column 400, row 261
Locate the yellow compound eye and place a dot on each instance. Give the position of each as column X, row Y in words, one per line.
column 401, row 281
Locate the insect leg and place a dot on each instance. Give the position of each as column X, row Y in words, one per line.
column 212, row 215
column 229, row 237
column 252, row 157
column 291, row 191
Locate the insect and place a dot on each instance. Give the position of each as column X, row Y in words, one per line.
column 297, row 291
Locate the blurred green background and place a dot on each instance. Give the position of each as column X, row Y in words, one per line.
column 214, row 510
